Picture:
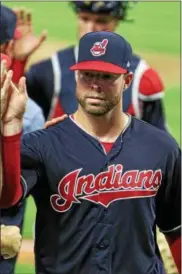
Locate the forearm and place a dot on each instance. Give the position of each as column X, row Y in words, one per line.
column 18, row 68
column 1, row 172
column 11, row 190
column 174, row 243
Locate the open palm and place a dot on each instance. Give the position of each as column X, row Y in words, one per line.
column 13, row 99
column 28, row 42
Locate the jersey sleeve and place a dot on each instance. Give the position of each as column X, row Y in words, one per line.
column 151, row 86
column 22, row 166
column 39, row 80
column 168, row 200
column 154, row 114
column 31, row 161
column 151, row 92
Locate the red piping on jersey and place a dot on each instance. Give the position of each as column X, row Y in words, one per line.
column 58, row 110
column 131, row 110
column 150, row 83
column 107, row 146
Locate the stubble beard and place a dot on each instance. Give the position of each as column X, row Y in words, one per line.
column 98, row 109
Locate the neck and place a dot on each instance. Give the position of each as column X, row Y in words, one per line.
column 107, row 127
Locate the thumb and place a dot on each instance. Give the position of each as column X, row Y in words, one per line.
column 40, row 40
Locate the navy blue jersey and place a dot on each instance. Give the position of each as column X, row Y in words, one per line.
column 52, row 85
column 97, row 212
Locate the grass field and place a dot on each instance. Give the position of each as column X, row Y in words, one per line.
column 155, row 34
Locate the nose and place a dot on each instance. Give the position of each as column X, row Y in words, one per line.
column 90, row 27
column 96, row 87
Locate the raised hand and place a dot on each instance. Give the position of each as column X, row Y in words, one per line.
column 13, row 103
column 27, row 42
column 5, row 64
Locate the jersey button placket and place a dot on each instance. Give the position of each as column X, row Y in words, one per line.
column 104, row 244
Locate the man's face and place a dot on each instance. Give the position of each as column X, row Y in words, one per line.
column 89, row 22
column 98, row 92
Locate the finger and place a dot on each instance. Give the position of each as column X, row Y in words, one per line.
column 22, row 86
column 9, row 256
column 29, row 18
column 48, row 124
column 40, row 40
column 61, row 118
column 3, row 77
column 7, row 83
column 22, row 15
column 18, row 16
column 15, row 10
column 55, row 121
column 3, row 67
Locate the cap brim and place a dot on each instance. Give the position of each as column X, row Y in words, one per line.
column 99, row 66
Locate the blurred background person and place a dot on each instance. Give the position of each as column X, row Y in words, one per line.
column 55, row 84
column 16, row 42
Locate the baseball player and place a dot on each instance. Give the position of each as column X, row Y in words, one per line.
column 5, row 64
column 103, row 178
column 52, row 85
column 10, row 235
column 14, row 43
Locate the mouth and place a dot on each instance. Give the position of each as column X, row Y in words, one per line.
column 95, row 98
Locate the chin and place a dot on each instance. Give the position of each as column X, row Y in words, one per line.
column 96, row 111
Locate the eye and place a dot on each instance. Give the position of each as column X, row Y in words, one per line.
column 102, row 21
column 88, row 74
column 107, row 77
column 84, row 18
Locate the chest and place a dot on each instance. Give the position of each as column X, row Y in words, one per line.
column 79, row 173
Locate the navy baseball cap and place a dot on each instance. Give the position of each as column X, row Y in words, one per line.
column 7, row 24
column 104, row 51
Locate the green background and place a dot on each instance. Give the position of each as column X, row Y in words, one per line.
column 156, row 30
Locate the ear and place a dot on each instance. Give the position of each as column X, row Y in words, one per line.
column 117, row 23
column 128, row 79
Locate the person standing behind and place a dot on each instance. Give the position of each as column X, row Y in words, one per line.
column 52, row 85
column 13, row 42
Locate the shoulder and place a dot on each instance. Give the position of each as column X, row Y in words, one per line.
column 147, row 79
column 65, row 51
column 151, row 85
column 51, row 135
column 154, row 138
column 43, row 66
